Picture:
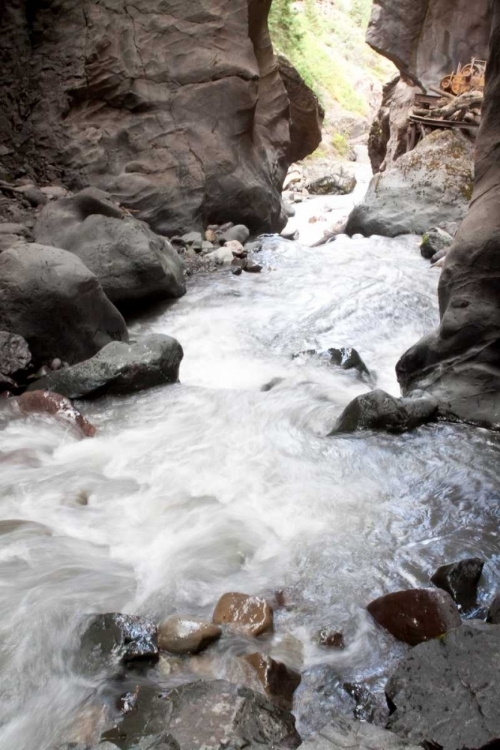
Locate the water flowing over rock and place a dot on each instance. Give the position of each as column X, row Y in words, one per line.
column 44, row 402
column 177, row 110
column 378, row 410
column 343, row 733
column 119, row 368
column 460, row 363
column 446, row 691
column 114, row 637
column 51, row 299
column 460, row 580
column 250, row 614
column 132, row 263
column 430, row 185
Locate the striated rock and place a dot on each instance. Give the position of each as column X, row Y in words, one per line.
column 445, row 693
column 306, row 113
column 460, row 580
column 186, row 635
column 118, row 369
column 347, row 734
column 425, row 187
column 178, row 111
column 377, row 410
column 56, row 304
column 44, row 402
column 115, row 638
column 415, row 615
column 278, row 681
column 250, row 614
column 15, row 357
column 460, row 363
column 434, row 241
column 132, row 263
column 338, row 180
column 208, row 715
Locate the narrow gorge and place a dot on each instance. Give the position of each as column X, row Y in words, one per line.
column 249, row 374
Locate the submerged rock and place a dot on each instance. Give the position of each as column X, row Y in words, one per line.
column 278, row 681
column 446, row 692
column 208, row 715
column 346, row 734
column 330, row 638
column 119, row 369
column 345, row 357
column 51, row 299
column 415, row 615
column 44, row 402
column 186, row 635
column 460, row 580
column 115, row 638
column 250, row 614
column 434, row 241
column 377, row 410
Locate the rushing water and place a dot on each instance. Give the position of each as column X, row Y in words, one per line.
column 214, row 485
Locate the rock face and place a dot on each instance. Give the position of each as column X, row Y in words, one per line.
column 118, row 369
column 344, row 733
column 177, row 110
column 446, row 691
column 306, row 113
column 132, row 263
column 428, row 186
column 460, row 363
column 250, row 614
column 52, row 300
column 209, row 715
column 415, row 615
column 378, row 410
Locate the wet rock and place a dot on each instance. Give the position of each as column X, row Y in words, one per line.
column 445, row 692
column 15, row 358
column 252, row 267
column 132, row 263
column 494, row 611
column 460, row 580
column 237, row 270
column 433, row 241
column 347, row 734
column 208, row 715
column 377, row 410
column 186, row 635
column 290, row 232
column 349, row 359
column 416, row 615
column 51, row 299
column 427, row 186
column 44, row 402
column 114, row 638
column 338, row 180
column 330, row 638
column 119, row 369
column 366, row 708
column 278, row 681
column 239, row 233
column 250, row 614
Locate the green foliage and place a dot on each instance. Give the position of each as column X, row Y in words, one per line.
column 340, row 144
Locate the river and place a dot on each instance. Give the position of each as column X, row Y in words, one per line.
column 215, row 485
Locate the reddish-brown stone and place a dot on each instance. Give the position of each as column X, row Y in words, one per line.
column 250, row 614
column 45, row 402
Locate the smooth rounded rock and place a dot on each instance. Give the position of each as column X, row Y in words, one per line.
column 250, row 614
column 44, row 402
column 186, row 635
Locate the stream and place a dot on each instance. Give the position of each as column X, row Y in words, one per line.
column 214, row 485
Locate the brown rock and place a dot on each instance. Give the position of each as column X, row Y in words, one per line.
column 252, row 267
column 279, row 682
column 306, row 112
column 416, row 615
column 186, row 635
column 330, row 638
column 250, row 614
column 45, row 402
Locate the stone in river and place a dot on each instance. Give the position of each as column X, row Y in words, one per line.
column 346, row 734
column 460, row 580
column 249, row 614
column 117, row 638
column 494, row 611
column 45, row 402
column 278, row 681
column 378, row 410
column 330, row 638
column 416, row 615
column 186, row 635
column 239, row 233
column 251, row 267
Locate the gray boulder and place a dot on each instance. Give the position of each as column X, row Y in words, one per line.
column 208, row 715
column 446, row 692
column 338, row 180
column 377, row 410
column 240, row 233
column 118, row 369
column 132, row 263
column 430, row 185
column 434, row 241
column 51, row 299
column 348, row 734
column 114, row 638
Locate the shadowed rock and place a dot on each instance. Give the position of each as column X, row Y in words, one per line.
column 415, row 615
column 306, row 113
column 115, row 638
column 377, row 410
column 460, row 580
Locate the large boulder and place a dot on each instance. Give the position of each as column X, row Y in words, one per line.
column 44, row 402
column 51, row 299
column 208, row 715
column 460, row 363
column 132, row 263
column 427, row 186
column 175, row 108
column 446, row 692
column 378, row 410
column 348, row 734
column 118, row 369
column 306, row 113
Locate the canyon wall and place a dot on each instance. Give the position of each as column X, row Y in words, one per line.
column 176, row 108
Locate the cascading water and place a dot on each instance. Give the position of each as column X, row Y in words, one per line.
column 215, row 485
